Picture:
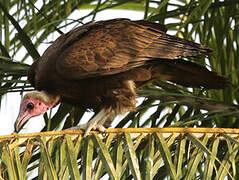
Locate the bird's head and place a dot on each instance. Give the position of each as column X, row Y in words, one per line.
column 33, row 104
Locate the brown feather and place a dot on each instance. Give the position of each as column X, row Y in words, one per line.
column 98, row 64
column 188, row 74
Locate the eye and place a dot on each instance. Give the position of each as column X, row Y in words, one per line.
column 30, row 105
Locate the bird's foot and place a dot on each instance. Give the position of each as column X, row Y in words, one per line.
column 88, row 127
column 97, row 122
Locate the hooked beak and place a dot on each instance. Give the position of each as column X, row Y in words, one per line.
column 22, row 118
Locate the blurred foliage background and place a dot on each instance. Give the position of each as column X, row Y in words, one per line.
column 28, row 24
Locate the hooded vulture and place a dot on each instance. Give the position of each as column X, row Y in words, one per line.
column 100, row 65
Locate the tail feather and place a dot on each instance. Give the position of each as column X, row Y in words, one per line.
column 188, row 74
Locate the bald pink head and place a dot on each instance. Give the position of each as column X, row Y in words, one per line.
column 34, row 104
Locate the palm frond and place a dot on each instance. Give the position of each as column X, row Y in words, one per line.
column 135, row 152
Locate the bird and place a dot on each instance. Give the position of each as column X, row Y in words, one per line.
column 101, row 65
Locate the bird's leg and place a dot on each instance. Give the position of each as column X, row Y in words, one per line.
column 104, row 117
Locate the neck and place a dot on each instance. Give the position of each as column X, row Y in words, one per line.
column 46, row 97
column 52, row 99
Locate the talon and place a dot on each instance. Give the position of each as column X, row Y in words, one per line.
column 101, row 128
column 88, row 127
column 97, row 122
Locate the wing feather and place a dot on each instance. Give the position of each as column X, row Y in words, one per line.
column 109, row 47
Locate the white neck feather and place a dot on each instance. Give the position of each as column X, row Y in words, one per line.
column 44, row 96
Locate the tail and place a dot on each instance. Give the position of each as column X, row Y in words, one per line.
column 188, row 74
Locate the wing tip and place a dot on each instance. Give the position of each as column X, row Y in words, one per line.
column 205, row 49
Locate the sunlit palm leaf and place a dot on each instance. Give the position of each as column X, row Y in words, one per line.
column 198, row 147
